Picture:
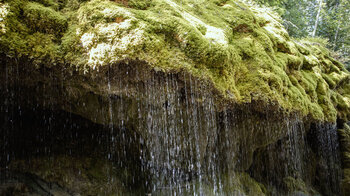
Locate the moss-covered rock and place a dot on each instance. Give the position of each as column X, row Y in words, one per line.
column 244, row 50
column 44, row 19
column 244, row 184
column 298, row 187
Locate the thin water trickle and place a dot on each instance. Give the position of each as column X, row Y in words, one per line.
column 110, row 119
column 171, row 134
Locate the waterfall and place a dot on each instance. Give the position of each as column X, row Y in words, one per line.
column 150, row 132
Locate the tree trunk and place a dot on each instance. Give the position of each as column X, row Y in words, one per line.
column 336, row 36
column 317, row 18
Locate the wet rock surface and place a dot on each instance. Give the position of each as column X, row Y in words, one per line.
column 16, row 183
column 156, row 132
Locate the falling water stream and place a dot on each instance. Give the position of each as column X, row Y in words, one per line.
column 159, row 134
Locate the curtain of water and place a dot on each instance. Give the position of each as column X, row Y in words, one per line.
column 187, row 143
column 177, row 122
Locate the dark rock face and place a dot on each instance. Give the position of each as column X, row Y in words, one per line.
column 324, row 142
column 309, row 156
column 157, row 131
column 67, row 150
column 15, row 183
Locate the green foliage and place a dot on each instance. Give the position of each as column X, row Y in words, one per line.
column 317, row 40
column 299, row 19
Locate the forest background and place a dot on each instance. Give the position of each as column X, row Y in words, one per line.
column 324, row 21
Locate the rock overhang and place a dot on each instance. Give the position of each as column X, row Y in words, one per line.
column 242, row 49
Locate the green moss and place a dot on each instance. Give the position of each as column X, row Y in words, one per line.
column 244, row 50
column 330, row 82
column 50, row 3
column 294, row 185
column 242, row 183
column 33, row 30
column 44, row 19
column 140, row 4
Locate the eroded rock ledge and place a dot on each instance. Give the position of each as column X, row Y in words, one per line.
column 181, row 126
column 244, row 51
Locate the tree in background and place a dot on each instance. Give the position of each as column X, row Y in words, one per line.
column 320, row 5
column 328, row 19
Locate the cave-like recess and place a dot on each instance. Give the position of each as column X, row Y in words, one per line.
column 107, row 143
